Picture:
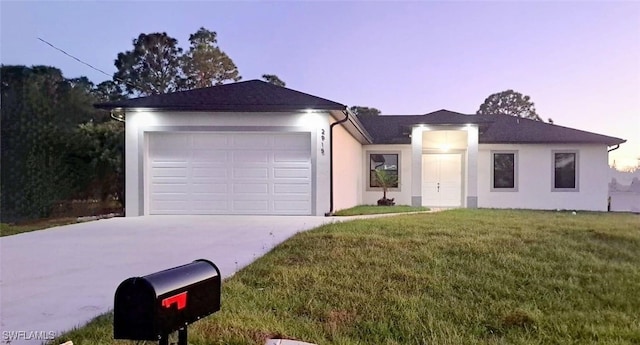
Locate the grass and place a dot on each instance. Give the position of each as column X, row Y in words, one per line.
column 374, row 209
column 14, row 229
column 453, row 277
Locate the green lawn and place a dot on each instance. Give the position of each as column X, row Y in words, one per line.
column 11, row 229
column 453, row 277
column 374, row 209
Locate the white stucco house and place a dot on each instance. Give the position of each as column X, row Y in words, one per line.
column 256, row 148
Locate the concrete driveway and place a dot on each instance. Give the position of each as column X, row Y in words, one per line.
column 60, row 278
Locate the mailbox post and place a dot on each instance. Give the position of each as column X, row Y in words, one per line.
column 153, row 306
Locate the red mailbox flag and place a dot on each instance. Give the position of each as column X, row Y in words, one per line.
column 179, row 299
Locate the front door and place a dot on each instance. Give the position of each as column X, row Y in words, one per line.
column 442, row 180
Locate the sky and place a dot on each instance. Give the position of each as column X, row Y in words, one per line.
column 578, row 61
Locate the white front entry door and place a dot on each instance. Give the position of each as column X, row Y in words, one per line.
column 442, row 180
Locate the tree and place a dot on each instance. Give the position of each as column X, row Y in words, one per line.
column 96, row 158
column 46, row 159
column 39, row 110
column 385, row 181
column 152, row 67
column 273, row 79
column 364, row 111
column 82, row 84
column 511, row 103
column 108, row 91
column 205, row 64
column 78, row 103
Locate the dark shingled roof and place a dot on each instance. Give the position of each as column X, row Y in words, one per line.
column 511, row 129
column 395, row 129
column 251, row 95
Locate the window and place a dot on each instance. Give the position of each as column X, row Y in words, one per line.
column 565, row 171
column 383, row 161
column 504, row 173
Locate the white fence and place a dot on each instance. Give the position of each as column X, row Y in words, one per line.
column 624, row 198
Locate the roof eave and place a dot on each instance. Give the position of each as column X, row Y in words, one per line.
column 354, row 126
column 608, row 143
column 231, row 108
column 616, row 142
column 359, row 126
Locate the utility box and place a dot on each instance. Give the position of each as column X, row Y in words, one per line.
column 153, row 306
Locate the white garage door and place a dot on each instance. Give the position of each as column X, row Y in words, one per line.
column 229, row 173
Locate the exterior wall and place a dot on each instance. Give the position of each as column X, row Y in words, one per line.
column 535, row 178
column 402, row 195
column 347, row 169
column 139, row 124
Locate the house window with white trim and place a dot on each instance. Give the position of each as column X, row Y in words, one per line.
column 565, row 171
column 387, row 162
column 504, row 173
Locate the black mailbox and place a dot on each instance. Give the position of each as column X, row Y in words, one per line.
column 153, row 306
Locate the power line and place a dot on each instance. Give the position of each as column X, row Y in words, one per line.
column 75, row 58
column 86, row 64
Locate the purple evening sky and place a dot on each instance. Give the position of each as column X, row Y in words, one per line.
column 579, row 62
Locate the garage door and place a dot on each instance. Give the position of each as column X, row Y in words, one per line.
column 229, row 173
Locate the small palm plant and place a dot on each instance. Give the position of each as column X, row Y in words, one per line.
column 385, row 181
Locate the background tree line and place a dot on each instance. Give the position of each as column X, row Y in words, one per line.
column 507, row 102
column 56, row 147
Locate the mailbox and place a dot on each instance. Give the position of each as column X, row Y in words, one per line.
column 153, row 306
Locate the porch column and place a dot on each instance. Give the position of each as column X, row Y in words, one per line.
column 416, row 166
column 472, row 166
column 134, row 165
